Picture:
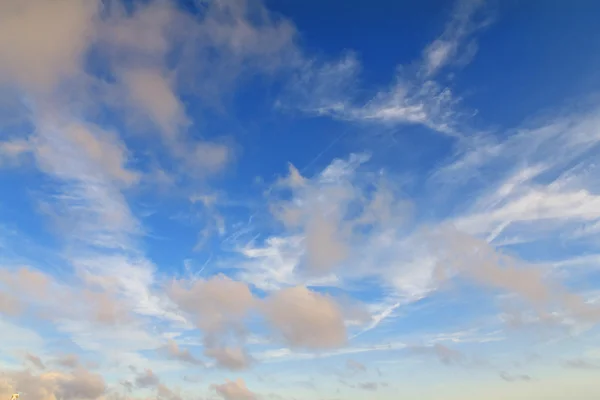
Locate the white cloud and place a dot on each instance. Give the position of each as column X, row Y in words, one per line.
column 339, row 228
column 445, row 49
column 543, row 186
column 413, row 98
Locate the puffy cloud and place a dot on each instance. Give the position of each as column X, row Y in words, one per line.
column 82, row 384
column 216, row 304
column 219, row 305
column 39, row 59
column 306, row 319
column 174, row 351
column 324, row 247
column 234, row 390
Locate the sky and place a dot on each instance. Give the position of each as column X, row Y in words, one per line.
column 299, row 200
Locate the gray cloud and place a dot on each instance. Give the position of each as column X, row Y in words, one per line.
column 355, row 366
column 68, row 361
column 514, row 378
column 147, row 379
column 370, row 386
column 443, row 353
column 581, row 363
column 35, row 360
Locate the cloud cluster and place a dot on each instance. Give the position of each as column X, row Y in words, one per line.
column 221, row 306
column 80, row 383
column 343, row 227
column 92, row 58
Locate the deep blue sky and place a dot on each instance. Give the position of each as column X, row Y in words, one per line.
column 299, row 199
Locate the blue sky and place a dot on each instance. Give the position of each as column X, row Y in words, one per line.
column 299, row 200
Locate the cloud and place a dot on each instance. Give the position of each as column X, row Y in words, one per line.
column 413, row 98
column 35, row 360
column 184, row 355
column 39, row 60
column 234, row 390
column 232, row 358
column 445, row 49
column 514, row 378
column 35, row 292
column 215, row 304
column 306, row 319
column 13, row 151
column 342, row 229
column 80, row 384
column 475, row 259
column 9, row 305
column 153, row 94
column 443, row 353
column 355, row 366
column 164, row 392
column 322, row 89
column 370, row 386
column 218, row 306
column 409, row 100
column 580, row 363
column 147, row 379
column 127, row 385
column 327, row 213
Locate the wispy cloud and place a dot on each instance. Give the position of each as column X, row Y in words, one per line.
column 415, row 97
column 116, row 108
column 456, row 43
